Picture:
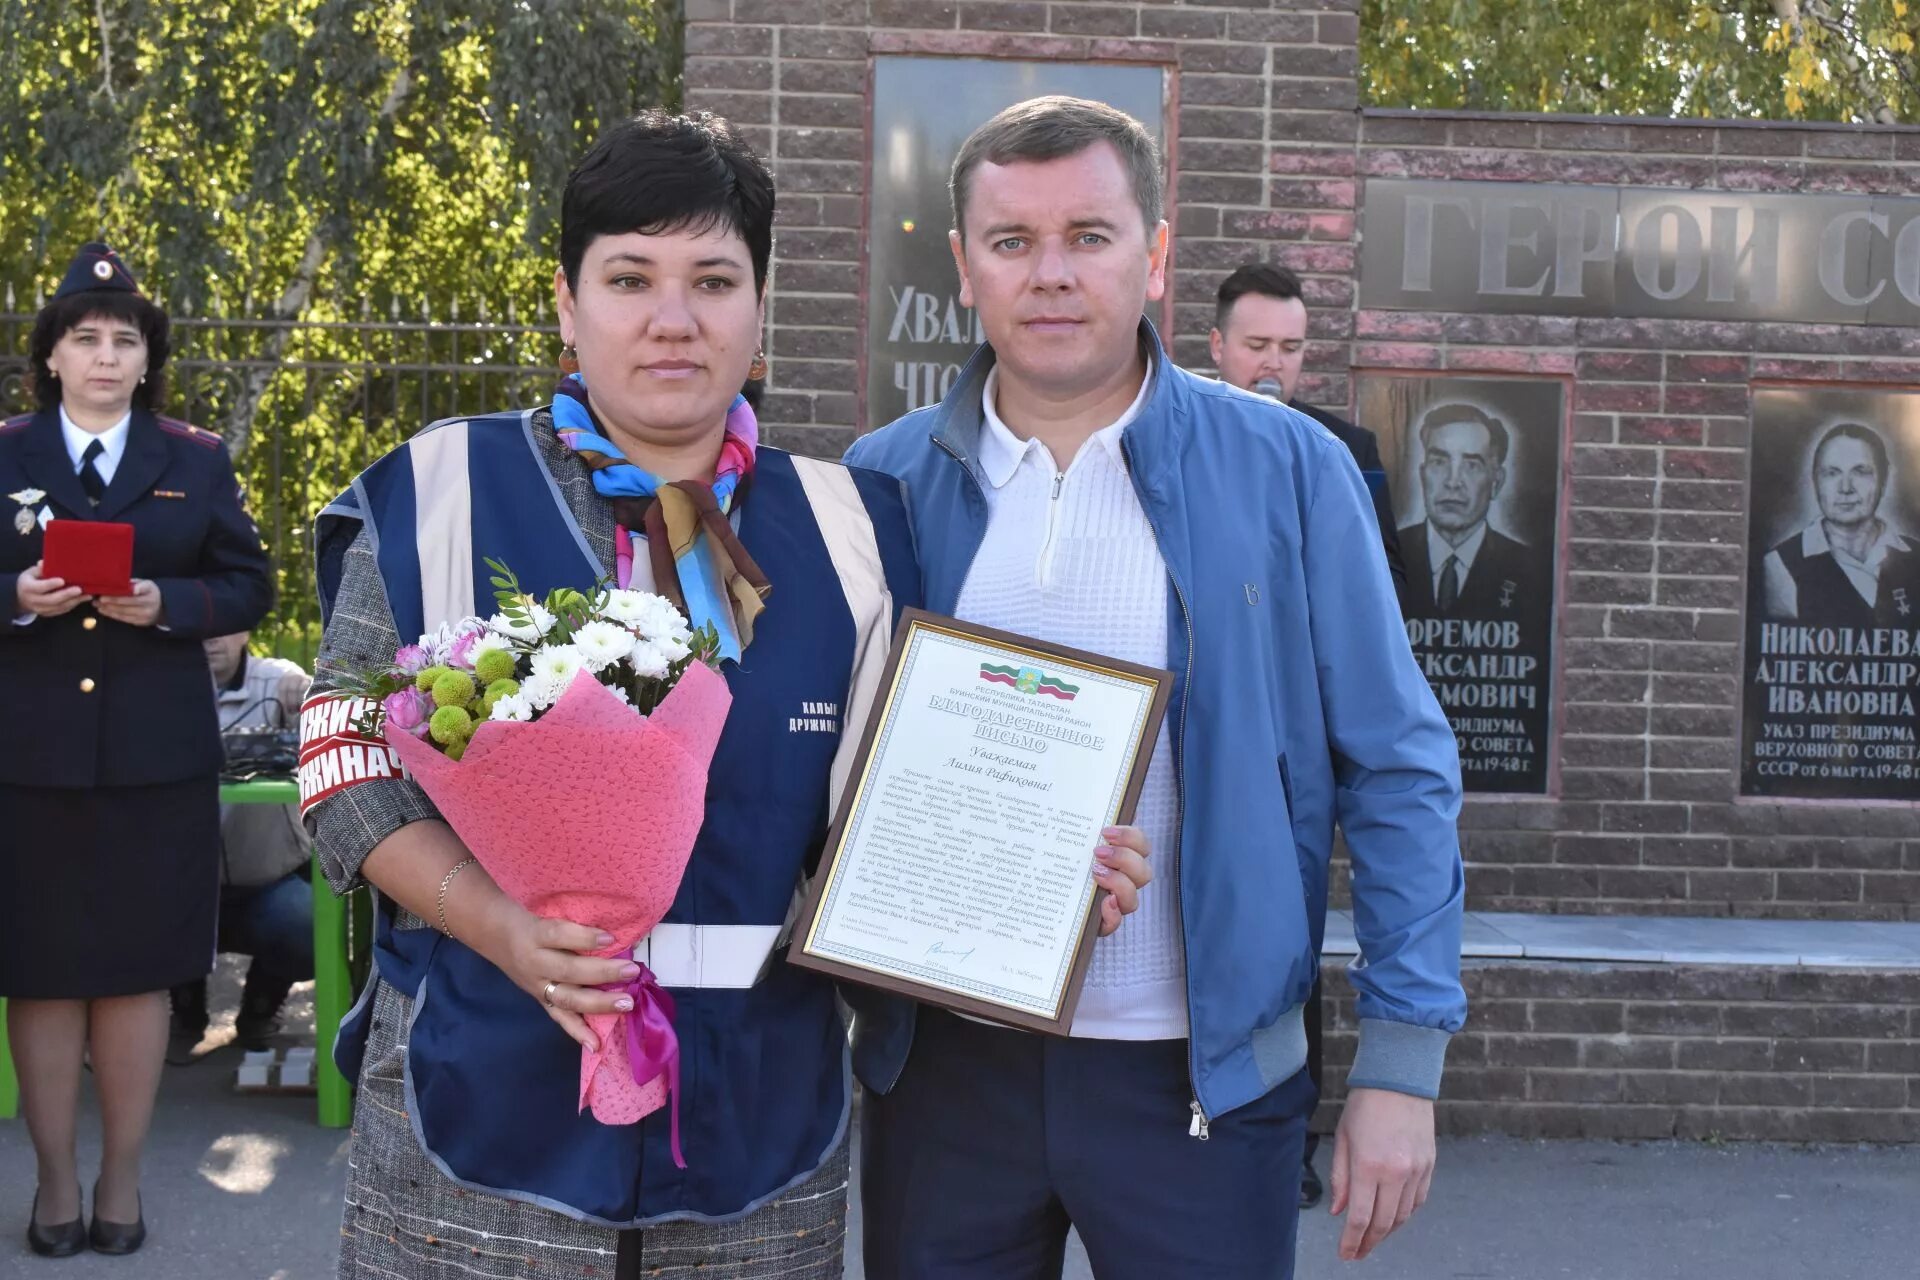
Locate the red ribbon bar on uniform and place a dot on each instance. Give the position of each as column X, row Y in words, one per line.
column 334, row 755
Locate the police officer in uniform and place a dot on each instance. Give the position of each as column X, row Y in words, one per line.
column 109, row 864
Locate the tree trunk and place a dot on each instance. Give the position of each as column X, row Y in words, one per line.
column 291, row 305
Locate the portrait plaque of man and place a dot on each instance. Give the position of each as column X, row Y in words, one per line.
column 1475, row 465
column 1833, row 610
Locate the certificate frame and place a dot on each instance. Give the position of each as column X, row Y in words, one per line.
column 1156, row 683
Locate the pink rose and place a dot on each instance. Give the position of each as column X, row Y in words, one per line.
column 409, row 710
column 412, row 659
column 461, row 654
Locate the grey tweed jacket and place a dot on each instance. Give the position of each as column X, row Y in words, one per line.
column 360, row 636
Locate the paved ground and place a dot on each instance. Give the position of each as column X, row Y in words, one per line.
column 248, row 1187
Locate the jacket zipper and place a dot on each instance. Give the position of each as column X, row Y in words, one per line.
column 1053, row 521
column 1198, row 1125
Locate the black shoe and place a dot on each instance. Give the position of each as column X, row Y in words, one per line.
column 1311, row 1188
column 259, row 1019
column 61, row 1240
column 116, row 1237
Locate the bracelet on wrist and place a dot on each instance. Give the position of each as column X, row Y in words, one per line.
column 446, row 882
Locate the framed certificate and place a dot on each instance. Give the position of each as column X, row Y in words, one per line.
column 959, row 868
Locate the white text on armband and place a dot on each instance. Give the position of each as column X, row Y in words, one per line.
column 333, row 754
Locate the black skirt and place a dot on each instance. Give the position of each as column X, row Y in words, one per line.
column 107, row 891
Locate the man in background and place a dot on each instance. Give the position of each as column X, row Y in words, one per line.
column 266, row 899
column 1259, row 342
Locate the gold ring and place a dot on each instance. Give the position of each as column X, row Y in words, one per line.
column 547, row 995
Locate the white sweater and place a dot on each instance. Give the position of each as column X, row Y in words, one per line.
column 1070, row 558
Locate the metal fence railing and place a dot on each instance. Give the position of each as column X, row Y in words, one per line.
column 309, row 404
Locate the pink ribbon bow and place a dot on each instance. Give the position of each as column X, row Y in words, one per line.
column 653, row 1047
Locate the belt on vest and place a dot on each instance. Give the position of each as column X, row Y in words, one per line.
column 709, row 955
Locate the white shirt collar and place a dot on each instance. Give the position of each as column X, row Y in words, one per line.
column 113, row 443
column 1814, row 542
column 1438, row 549
column 1002, row 452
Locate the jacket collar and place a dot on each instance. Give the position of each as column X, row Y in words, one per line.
column 144, row 461
column 44, row 458
column 1149, row 440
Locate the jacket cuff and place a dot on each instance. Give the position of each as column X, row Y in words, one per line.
column 1400, row 1057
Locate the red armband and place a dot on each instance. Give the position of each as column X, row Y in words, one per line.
column 334, row 754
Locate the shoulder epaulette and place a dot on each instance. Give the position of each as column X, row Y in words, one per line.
column 15, row 423
column 187, row 431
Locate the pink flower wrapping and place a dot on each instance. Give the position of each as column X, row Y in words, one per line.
column 588, row 814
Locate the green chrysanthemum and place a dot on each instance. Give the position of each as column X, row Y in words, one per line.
column 450, row 725
column 494, row 665
column 454, row 689
column 424, row 681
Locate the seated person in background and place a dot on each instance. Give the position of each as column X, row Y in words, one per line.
column 266, row 899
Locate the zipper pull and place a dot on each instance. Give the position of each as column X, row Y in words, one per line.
column 1059, row 478
column 1198, row 1128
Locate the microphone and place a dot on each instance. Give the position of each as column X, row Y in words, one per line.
column 1271, row 388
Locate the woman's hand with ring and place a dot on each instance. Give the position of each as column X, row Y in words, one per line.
column 551, row 961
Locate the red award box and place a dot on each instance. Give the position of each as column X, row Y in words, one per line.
column 94, row 555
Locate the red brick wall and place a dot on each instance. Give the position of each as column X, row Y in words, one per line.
column 1253, row 78
column 1271, row 155
column 1655, row 540
column 1663, row 1051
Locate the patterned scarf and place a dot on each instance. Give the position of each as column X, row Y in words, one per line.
column 696, row 557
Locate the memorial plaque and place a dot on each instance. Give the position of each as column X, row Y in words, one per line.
column 1474, row 465
column 1833, row 595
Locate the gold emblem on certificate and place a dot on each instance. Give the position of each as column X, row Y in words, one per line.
column 958, row 871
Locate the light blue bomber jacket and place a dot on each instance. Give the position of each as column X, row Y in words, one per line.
column 1298, row 706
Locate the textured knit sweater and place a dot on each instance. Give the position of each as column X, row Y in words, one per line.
column 1070, row 558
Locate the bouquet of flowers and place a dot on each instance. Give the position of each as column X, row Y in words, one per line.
column 567, row 741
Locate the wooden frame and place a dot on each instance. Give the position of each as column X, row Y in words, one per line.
column 1030, row 651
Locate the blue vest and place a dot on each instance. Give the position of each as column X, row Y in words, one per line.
column 492, row 1084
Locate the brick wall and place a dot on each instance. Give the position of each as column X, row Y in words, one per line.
column 1646, row 1051
column 1655, row 553
column 1271, row 152
column 1253, row 79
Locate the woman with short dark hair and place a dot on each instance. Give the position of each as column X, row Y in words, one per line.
column 471, row 1153
column 109, row 869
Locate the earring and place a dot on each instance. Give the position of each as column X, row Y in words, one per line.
column 143, row 379
column 569, row 360
column 757, row 371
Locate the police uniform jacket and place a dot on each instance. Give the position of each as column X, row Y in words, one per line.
column 94, row 702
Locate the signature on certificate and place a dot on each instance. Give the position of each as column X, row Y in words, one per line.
column 952, row 954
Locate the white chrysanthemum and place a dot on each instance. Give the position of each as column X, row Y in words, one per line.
column 491, row 641
column 626, row 699
column 647, row 660
column 629, row 607
column 558, row 663
column 671, row 648
column 515, row 706
column 540, row 691
column 542, row 622
column 602, row 644
column 657, row 617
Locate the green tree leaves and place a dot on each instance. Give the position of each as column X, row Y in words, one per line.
column 1769, row 59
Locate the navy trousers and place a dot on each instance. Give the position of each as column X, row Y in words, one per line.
column 994, row 1142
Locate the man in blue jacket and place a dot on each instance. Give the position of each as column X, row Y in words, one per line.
column 1077, row 486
